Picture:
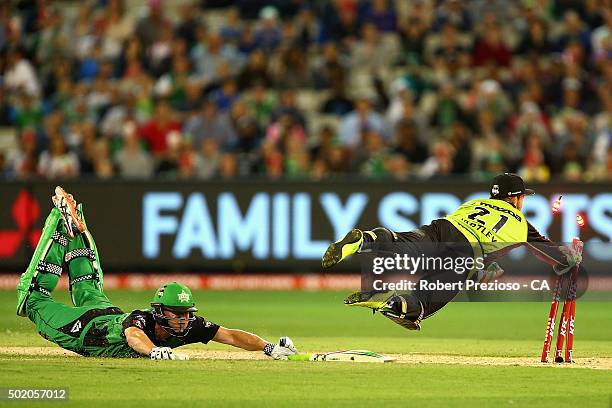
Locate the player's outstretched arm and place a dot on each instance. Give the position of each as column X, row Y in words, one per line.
column 252, row 342
column 140, row 342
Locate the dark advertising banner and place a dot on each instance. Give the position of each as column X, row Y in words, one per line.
column 267, row 226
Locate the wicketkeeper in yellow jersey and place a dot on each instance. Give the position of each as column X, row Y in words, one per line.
column 486, row 227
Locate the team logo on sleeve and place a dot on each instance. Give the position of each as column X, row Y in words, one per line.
column 139, row 322
column 76, row 327
column 183, row 297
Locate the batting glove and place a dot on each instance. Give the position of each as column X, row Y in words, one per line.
column 281, row 350
column 166, row 353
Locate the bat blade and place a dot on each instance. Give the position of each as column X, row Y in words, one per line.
column 351, row 356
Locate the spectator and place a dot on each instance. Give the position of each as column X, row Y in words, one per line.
column 232, row 28
column 254, row 72
column 20, row 75
column 407, row 143
column 210, row 53
column 103, row 164
column 533, row 167
column 132, row 161
column 329, row 70
column 155, row 132
column 372, row 155
column 341, row 25
column 307, row 26
column 491, row 50
column 118, row 26
column 291, row 70
column 361, row 120
column 25, row 162
column 261, row 102
column 169, row 163
column 370, row 52
column 228, row 166
column 226, row 95
column 574, row 31
column 477, row 108
column 58, row 162
column 600, row 37
column 28, row 113
column 453, row 12
column 173, row 85
column 209, row 123
column 149, row 27
column 413, row 33
column 188, row 162
column 338, row 103
column 288, row 105
column 380, row 13
column 209, row 161
column 447, row 110
column 535, row 41
column 440, row 163
column 285, row 130
column 268, row 35
column 187, row 28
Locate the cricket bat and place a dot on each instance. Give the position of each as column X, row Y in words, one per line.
column 357, row 356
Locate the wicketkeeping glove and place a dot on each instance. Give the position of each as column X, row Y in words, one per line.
column 166, row 353
column 572, row 253
column 492, row 272
column 281, row 350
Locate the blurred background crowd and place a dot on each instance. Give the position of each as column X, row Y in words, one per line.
column 306, row 89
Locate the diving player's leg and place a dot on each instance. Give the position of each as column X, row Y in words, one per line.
column 372, row 240
column 81, row 258
column 353, row 242
column 53, row 320
column 45, row 267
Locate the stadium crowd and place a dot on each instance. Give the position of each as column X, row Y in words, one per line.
column 307, row 89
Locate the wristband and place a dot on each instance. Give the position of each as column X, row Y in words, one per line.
column 268, row 349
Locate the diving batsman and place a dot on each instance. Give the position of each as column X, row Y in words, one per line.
column 94, row 326
column 486, row 228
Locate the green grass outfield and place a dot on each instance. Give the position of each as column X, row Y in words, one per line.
column 319, row 322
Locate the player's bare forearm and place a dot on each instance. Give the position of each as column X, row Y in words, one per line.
column 139, row 341
column 240, row 338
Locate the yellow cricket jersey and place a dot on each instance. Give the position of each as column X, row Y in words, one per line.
column 490, row 221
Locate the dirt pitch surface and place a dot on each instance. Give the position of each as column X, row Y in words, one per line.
column 602, row 363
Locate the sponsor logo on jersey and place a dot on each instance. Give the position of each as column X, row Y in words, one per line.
column 503, row 210
column 76, row 327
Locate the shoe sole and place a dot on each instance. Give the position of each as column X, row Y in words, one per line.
column 334, row 252
column 371, row 300
column 71, row 206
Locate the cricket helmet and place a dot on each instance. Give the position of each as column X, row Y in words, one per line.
column 175, row 298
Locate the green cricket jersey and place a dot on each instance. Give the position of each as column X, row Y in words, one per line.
column 105, row 334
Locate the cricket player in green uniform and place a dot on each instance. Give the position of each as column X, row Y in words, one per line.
column 487, row 228
column 95, row 326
